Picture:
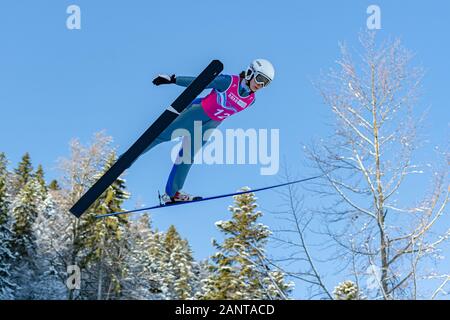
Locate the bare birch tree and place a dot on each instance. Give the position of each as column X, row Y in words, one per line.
column 79, row 172
column 300, row 262
column 384, row 221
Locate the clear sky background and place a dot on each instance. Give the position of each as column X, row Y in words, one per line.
column 57, row 84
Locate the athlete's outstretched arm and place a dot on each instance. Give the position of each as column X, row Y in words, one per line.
column 220, row 83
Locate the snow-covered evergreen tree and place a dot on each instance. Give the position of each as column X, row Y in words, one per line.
column 347, row 290
column 4, row 195
column 52, row 231
column 161, row 266
column 7, row 257
column 25, row 209
column 7, row 284
column 179, row 276
column 39, row 175
column 22, row 174
column 239, row 270
column 145, row 262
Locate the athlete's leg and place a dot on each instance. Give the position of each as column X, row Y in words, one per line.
column 186, row 116
column 180, row 170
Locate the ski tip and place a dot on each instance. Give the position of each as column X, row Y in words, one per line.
column 217, row 63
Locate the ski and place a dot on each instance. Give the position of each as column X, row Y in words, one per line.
column 208, row 198
column 164, row 120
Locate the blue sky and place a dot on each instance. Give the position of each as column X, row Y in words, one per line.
column 57, row 84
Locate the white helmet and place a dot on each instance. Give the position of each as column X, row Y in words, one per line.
column 262, row 70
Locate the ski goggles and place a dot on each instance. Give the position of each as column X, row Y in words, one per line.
column 261, row 79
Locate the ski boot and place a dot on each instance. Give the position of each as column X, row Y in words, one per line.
column 179, row 196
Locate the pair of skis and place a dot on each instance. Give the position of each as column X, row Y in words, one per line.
column 164, row 120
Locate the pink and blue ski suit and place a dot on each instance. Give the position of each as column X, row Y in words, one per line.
column 229, row 95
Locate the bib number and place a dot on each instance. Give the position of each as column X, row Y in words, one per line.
column 221, row 114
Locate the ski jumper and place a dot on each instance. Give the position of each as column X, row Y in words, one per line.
column 228, row 96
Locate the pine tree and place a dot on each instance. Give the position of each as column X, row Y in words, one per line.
column 39, row 175
column 25, row 210
column 160, row 264
column 4, row 197
column 27, row 197
column 179, row 276
column 54, row 186
column 145, row 262
column 23, row 173
column 7, row 257
column 52, row 229
column 239, row 270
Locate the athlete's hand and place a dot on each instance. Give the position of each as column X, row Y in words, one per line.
column 164, row 79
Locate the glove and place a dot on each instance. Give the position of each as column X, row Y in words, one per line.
column 164, row 79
